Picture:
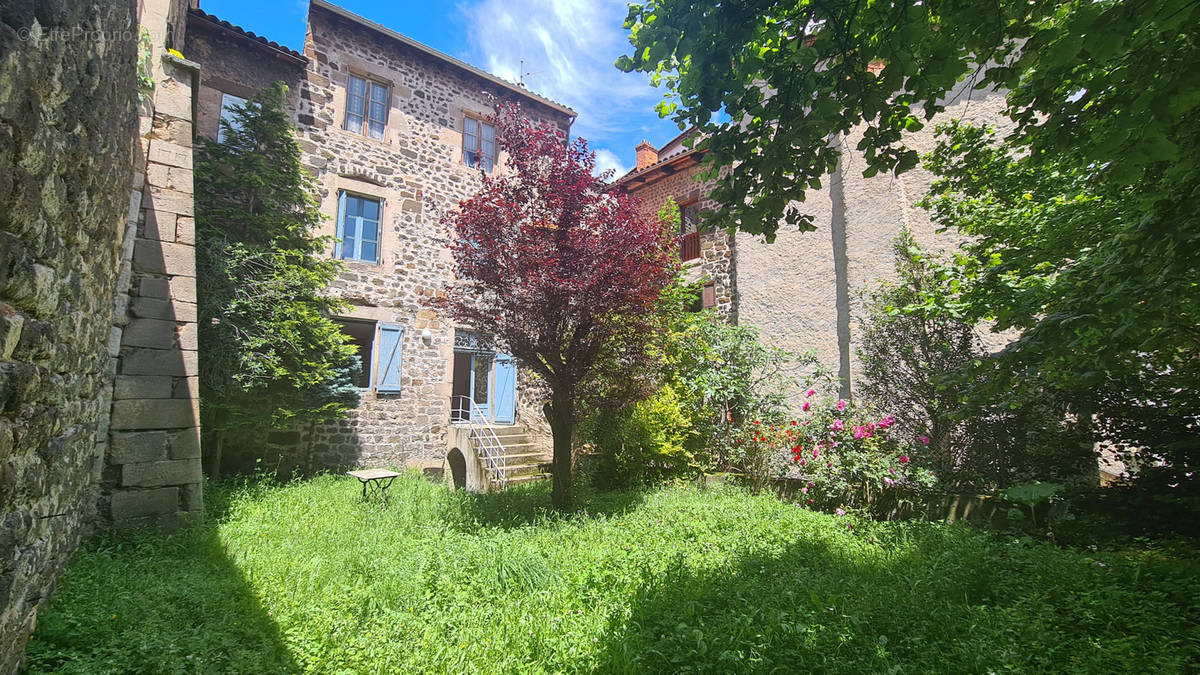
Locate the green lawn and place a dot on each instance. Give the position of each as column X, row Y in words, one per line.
column 306, row 577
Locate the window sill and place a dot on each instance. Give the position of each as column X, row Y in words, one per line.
column 363, row 137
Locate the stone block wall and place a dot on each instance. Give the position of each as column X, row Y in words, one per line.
column 152, row 476
column 67, row 141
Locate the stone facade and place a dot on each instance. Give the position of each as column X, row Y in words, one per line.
column 68, row 124
column 417, row 174
column 803, row 291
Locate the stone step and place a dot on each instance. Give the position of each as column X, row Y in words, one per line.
column 527, row 478
column 522, row 468
column 525, row 455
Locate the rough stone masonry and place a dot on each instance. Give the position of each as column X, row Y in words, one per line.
column 67, row 140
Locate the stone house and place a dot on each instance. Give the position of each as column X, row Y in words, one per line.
column 803, row 290
column 395, row 134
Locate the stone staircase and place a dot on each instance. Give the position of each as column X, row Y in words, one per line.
column 522, row 457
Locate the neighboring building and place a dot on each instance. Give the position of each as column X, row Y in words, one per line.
column 802, row 290
column 395, row 134
column 708, row 257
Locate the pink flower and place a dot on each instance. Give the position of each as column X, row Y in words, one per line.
column 924, row 440
column 862, row 432
column 887, row 421
column 804, row 490
column 811, row 484
column 801, row 462
column 892, row 470
column 841, row 405
column 816, row 453
column 837, row 425
column 810, row 501
column 810, row 392
column 806, row 406
column 840, row 512
column 904, row 459
column 888, row 481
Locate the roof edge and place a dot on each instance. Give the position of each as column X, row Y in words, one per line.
column 442, row 56
column 249, row 36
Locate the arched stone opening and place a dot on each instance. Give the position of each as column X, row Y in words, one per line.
column 458, row 468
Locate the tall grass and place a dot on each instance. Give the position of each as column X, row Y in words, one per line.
column 307, row 577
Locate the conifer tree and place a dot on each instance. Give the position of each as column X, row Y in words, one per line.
column 270, row 356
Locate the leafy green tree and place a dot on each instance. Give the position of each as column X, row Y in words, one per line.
column 1090, row 235
column 270, row 357
column 921, row 361
column 1106, row 307
column 1106, row 84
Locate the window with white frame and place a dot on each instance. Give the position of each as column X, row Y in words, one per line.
column 366, row 106
column 479, row 144
column 358, row 228
column 228, row 101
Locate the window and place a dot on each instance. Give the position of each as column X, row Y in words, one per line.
column 708, row 296
column 689, row 218
column 228, row 101
column 358, row 228
column 380, row 346
column 479, row 144
column 366, row 107
column 362, row 336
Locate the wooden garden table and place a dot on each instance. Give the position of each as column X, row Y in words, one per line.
column 377, row 479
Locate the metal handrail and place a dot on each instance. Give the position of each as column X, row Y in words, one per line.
column 482, row 431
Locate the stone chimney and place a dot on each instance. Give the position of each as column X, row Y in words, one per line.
column 646, row 155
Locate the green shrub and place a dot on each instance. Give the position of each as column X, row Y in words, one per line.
column 644, row 442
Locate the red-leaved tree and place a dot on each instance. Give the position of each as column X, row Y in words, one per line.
column 561, row 272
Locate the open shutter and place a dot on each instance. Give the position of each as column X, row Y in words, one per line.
column 341, row 223
column 388, row 357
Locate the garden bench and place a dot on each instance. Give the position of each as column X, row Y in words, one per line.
column 378, row 480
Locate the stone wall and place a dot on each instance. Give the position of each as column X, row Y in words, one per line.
column 804, row 290
column 67, row 136
column 153, row 475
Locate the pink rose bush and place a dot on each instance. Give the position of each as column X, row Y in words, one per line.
column 859, row 455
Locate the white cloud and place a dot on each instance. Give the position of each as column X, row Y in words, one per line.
column 568, row 47
column 607, row 159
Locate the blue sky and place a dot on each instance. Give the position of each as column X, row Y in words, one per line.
column 568, row 46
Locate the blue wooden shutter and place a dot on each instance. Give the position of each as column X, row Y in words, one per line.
column 341, row 220
column 388, row 357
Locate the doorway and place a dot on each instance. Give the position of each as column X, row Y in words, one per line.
column 484, row 384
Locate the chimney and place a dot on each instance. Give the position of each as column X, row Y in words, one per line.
column 646, row 155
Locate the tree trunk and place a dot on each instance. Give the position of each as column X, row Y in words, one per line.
column 562, row 426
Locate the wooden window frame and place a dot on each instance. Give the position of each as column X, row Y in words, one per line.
column 370, row 85
column 338, row 251
column 480, row 122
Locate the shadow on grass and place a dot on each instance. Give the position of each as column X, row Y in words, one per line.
column 142, row 602
column 529, row 504
column 953, row 601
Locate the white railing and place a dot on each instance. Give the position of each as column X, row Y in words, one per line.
column 484, row 437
